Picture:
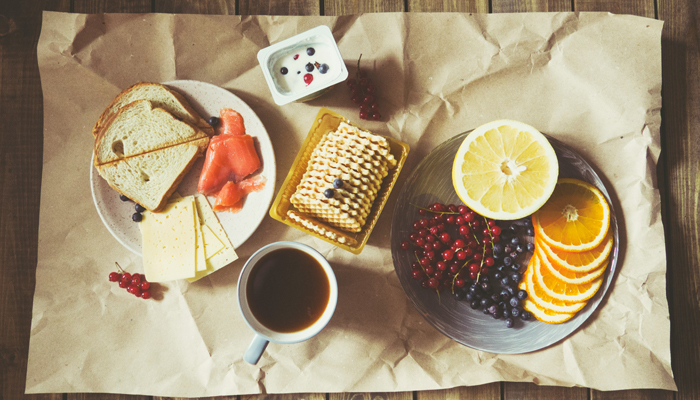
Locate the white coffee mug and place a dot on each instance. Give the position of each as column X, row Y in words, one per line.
column 263, row 334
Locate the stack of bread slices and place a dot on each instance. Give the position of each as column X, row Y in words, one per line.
column 146, row 141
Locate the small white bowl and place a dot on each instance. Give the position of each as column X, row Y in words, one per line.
column 302, row 67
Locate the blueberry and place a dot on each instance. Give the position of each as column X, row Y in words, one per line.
column 505, row 313
column 337, row 183
column 522, row 295
column 530, row 247
column 309, row 67
column 486, row 286
column 498, row 275
column 509, row 322
column 486, row 311
column 501, row 268
column 139, row 208
column 323, row 68
column 515, row 267
column 516, row 278
column 328, row 193
column 284, row 70
column 484, row 279
column 514, row 301
column 497, row 248
column 515, row 240
column 505, row 281
column 513, row 254
column 486, row 302
column 493, row 309
column 136, row 217
column 504, row 295
column 469, row 296
column 511, row 290
column 525, row 315
column 515, row 312
column 310, row 51
column 530, row 231
column 459, row 295
column 507, row 261
column 495, row 298
column 519, row 248
column 474, row 304
column 507, row 249
column 513, row 228
column 123, row 198
column 496, row 315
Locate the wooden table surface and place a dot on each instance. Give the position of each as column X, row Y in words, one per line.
column 21, row 140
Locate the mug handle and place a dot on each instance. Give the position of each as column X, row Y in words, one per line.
column 255, row 349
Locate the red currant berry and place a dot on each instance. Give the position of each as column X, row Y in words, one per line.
column 146, row 294
column 424, row 284
column 433, row 283
column 429, row 270
column 308, row 78
column 460, row 282
column 416, row 225
column 136, row 279
column 425, row 261
column 462, row 209
column 469, row 216
column 441, row 227
column 421, row 211
column 448, row 254
column 469, row 252
column 417, row 274
column 478, row 257
column 496, row 230
column 370, row 89
column 476, row 224
column 420, row 242
column 123, row 284
column 437, row 274
column 445, row 237
column 452, row 208
column 489, row 261
column 434, row 230
column 126, row 277
column 441, row 265
column 454, row 268
column 459, row 243
column 369, row 99
column 464, row 230
column 473, row 275
column 415, row 265
column 114, row 276
column 376, row 116
column 136, row 291
column 484, row 270
column 461, row 255
column 437, row 245
column 450, row 219
column 430, row 253
column 492, row 223
column 496, row 239
column 427, row 246
column 424, row 222
column 473, row 267
column 405, row 245
column 430, row 238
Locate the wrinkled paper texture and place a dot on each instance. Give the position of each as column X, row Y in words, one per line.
column 592, row 80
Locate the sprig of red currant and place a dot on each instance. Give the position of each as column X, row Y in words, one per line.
column 364, row 94
column 135, row 284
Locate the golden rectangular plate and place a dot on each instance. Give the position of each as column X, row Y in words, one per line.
column 327, row 121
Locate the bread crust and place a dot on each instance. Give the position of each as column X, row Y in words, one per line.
column 108, row 113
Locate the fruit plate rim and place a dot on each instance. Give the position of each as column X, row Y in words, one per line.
column 442, row 312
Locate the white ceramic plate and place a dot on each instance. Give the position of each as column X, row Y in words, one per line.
column 207, row 100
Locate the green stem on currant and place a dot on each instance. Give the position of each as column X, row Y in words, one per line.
column 434, row 212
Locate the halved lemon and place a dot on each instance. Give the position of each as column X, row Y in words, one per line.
column 505, row 170
column 576, row 217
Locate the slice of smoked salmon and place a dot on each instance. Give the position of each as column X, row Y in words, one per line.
column 231, row 195
column 229, row 158
column 231, row 122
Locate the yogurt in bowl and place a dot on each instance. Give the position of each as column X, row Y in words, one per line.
column 302, row 67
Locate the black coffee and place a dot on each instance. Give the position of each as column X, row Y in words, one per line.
column 288, row 290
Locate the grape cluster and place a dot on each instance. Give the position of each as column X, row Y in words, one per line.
column 364, row 94
column 135, row 284
column 477, row 259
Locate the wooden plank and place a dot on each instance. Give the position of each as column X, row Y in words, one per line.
column 279, row 7
column 21, row 139
column 491, row 391
column 469, row 6
column 681, row 145
column 642, row 8
column 367, row 396
column 104, row 396
column 341, row 7
column 296, row 396
column 112, row 6
column 525, row 391
column 203, row 398
column 632, row 395
column 226, row 7
column 512, row 6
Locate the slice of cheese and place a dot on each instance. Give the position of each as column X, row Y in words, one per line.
column 212, row 244
column 225, row 255
column 201, row 259
column 169, row 242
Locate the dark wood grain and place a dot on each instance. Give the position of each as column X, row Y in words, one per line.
column 370, row 396
column 527, row 391
column 342, row 7
column 681, row 143
column 470, row 6
column 21, row 142
column 642, row 8
column 279, row 7
column 104, row 396
column 511, row 6
column 225, row 7
column 112, row 6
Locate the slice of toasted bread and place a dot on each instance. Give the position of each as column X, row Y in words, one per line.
column 149, row 179
column 160, row 96
column 138, row 128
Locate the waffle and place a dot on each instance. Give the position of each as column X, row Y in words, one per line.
column 361, row 160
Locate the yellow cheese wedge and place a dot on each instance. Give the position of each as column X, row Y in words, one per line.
column 201, row 259
column 169, row 242
column 212, row 244
column 224, row 256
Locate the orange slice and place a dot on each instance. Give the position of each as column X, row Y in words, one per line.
column 545, row 315
column 541, row 298
column 584, row 261
column 563, row 274
column 576, row 217
column 564, row 291
column 505, row 170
